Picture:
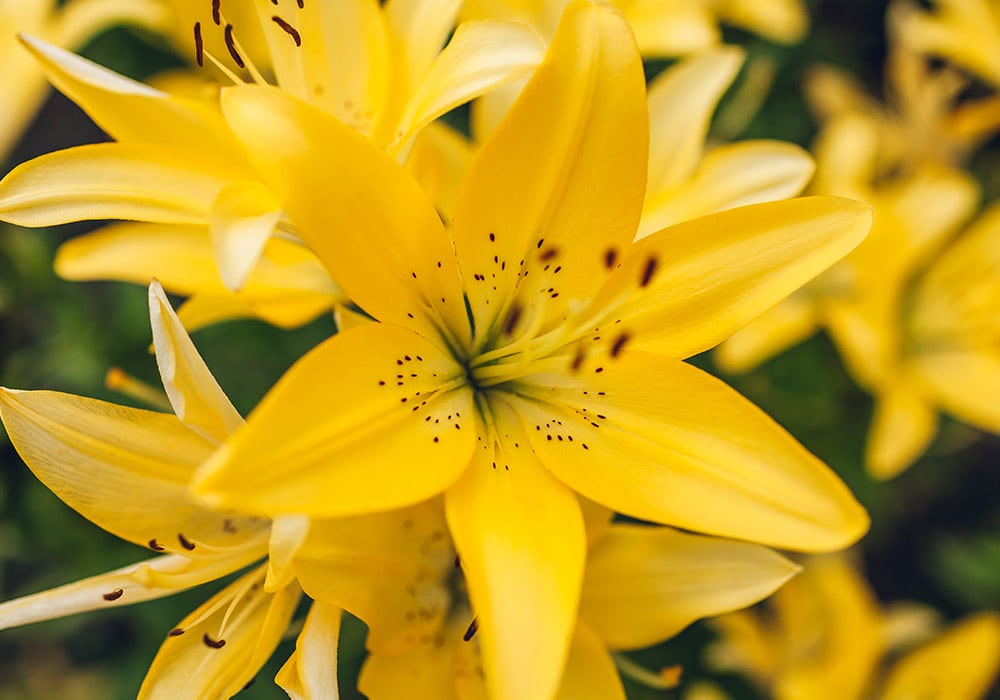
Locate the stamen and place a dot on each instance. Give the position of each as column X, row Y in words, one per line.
column 647, row 272
column 185, row 542
column 471, row 631
column 231, row 45
column 156, row 546
column 175, row 632
column 288, row 29
column 213, row 643
column 619, row 344
column 117, row 380
column 199, row 46
column 114, row 595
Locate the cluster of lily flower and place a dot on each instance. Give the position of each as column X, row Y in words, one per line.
column 514, row 306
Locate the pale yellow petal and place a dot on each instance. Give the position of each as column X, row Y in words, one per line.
column 645, row 584
column 671, row 27
column 123, row 468
column 639, row 434
column 590, row 672
column 786, row 325
column 244, row 215
column 903, row 426
column 557, row 190
column 521, row 542
column 311, row 671
column 959, row 665
column 681, row 102
column 480, row 56
column 196, row 397
column 288, row 534
column 371, row 419
column 114, row 181
column 220, row 650
column 688, row 287
column 80, row 20
column 785, row 21
column 384, row 244
column 730, row 176
column 419, row 29
column 426, row 672
column 439, row 160
column 964, row 384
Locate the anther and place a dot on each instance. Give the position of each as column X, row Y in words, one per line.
column 199, row 46
column 217, row 12
column 512, row 319
column 288, row 29
column 619, row 344
column 610, row 256
column 114, row 595
column 175, row 632
column 156, row 546
column 549, row 253
column 577, row 360
column 231, row 45
column 471, row 632
column 185, row 542
column 213, row 643
column 647, row 272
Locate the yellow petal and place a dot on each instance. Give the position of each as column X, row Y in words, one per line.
column 366, row 219
column 479, row 57
column 311, row 671
column 567, row 165
column 645, row 584
column 685, row 289
column 787, row 324
column 521, row 542
column 439, row 160
column 730, row 176
column 123, row 468
column 372, row 419
column 204, row 310
column 426, row 672
column 590, row 672
column 80, row 20
column 387, row 569
column 110, row 590
column 640, row 434
column 223, row 643
column 681, row 102
column 288, row 534
column 785, row 21
column 132, row 112
column 340, row 60
column 419, row 28
column 244, row 215
column 196, row 397
column 671, row 27
column 963, row 383
column 902, row 428
column 960, row 665
column 114, row 181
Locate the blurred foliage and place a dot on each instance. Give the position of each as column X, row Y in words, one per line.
column 936, row 530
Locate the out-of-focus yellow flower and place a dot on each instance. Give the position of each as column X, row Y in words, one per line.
column 176, row 167
column 823, row 636
column 965, row 32
column 69, row 25
column 534, row 349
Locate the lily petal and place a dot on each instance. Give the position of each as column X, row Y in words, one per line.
column 683, row 290
column 196, row 397
column 671, row 27
column 787, row 324
column 681, row 102
column 590, row 672
column 730, row 176
column 372, row 419
column 521, row 542
column 288, row 534
column 419, row 28
column 639, row 434
column 480, row 56
column 395, row 261
column 311, row 671
column 123, row 468
column 574, row 178
column 964, row 384
column 216, row 650
column 426, row 672
column 645, row 584
column 244, row 215
column 114, row 181
column 903, row 426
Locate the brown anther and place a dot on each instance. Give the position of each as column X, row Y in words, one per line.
column 199, row 46
column 578, row 359
column 175, row 632
column 619, row 344
column 231, row 45
column 610, row 256
column 647, row 272
column 549, row 253
column 471, row 632
column 114, row 595
column 185, row 542
column 156, row 546
column 513, row 316
column 290, row 31
column 217, row 12
column 213, row 643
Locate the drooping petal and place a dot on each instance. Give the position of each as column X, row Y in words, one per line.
column 960, row 665
column 216, row 650
column 590, row 672
column 311, row 671
column 645, row 584
column 109, row 590
column 196, row 397
column 244, row 215
column 123, row 468
column 480, row 56
column 787, row 324
column 963, row 383
column 685, row 289
column 372, row 419
column 130, row 111
column 114, row 181
column 394, row 260
column 903, row 426
column 521, row 542
column 562, row 178
column 388, row 569
column 640, row 434
column 681, row 102
column 730, row 176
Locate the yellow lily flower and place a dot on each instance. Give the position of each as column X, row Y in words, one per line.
column 965, row 32
column 127, row 470
column 175, row 162
column 533, row 352
column 825, row 637
column 642, row 585
column 70, row 25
